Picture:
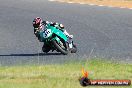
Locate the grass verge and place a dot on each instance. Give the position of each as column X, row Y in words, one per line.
column 62, row 75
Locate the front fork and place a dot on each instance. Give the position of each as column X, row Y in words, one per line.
column 70, row 43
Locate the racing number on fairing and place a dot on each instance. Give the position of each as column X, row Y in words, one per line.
column 47, row 33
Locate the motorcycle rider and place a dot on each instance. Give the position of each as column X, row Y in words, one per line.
column 39, row 25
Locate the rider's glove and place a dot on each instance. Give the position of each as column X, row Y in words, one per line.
column 45, row 22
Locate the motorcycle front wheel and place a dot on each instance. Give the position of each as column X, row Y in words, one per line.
column 74, row 49
column 61, row 47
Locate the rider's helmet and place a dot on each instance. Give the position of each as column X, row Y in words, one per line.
column 37, row 22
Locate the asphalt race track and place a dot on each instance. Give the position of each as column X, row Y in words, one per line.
column 98, row 31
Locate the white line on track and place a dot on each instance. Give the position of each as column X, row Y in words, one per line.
column 70, row 2
column 99, row 5
column 123, row 7
column 51, row 0
column 92, row 4
column 82, row 3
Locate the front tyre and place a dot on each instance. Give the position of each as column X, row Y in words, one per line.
column 74, row 49
column 59, row 47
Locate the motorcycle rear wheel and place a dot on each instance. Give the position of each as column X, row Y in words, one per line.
column 46, row 48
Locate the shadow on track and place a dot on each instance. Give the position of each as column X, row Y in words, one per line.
column 36, row 54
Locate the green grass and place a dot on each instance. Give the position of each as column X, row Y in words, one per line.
column 62, row 75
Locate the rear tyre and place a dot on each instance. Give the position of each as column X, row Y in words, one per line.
column 45, row 48
column 63, row 50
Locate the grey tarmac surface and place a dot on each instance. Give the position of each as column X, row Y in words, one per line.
column 98, row 31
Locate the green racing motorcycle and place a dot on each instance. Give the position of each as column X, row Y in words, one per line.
column 55, row 39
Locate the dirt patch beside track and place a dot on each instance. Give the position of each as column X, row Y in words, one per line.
column 114, row 3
